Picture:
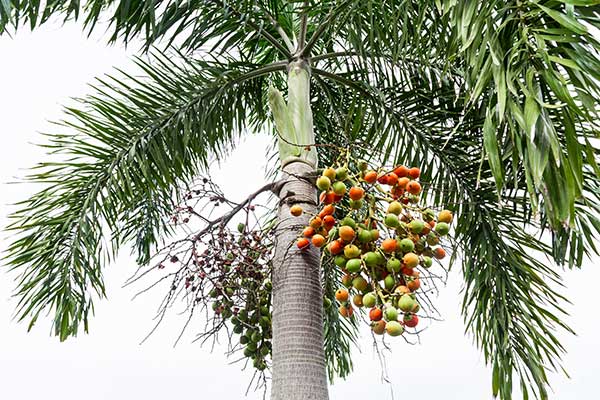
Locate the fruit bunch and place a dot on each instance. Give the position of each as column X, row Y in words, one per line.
column 374, row 229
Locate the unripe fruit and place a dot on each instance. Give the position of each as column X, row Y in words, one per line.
column 370, row 177
column 347, row 280
column 360, row 283
column 357, row 300
column 303, row 243
column 347, row 221
column 428, row 215
column 323, row 183
column 369, row 299
column 406, row 303
column 353, row 265
column 407, row 245
column 413, row 187
column 351, row 251
column 364, row 236
column 442, row 228
column 375, row 314
column 329, row 173
column 389, row 282
column 341, row 173
column 394, row 208
column 378, row 327
column 371, row 259
column 402, row 290
column 416, row 226
column 445, row 216
column 326, row 302
column 427, row 262
column 346, row 233
column 393, row 264
column 341, row 295
column 339, row 188
column 356, row 193
column 391, row 314
column 356, row 204
column 374, row 234
column 318, row 240
column 389, row 245
column 432, row 239
column 411, row 260
column 362, row 165
column 296, row 210
column 394, row 328
column 391, row 221
column 340, row 261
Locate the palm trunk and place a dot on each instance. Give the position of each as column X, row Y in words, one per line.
column 299, row 370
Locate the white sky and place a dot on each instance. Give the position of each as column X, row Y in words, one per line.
column 41, row 71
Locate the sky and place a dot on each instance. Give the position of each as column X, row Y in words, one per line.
column 40, row 72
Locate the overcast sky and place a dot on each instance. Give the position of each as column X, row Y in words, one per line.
column 41, row 71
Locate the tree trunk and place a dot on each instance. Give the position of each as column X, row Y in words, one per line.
column 299, row 370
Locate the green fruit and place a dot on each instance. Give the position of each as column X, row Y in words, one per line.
column 414, row 198
column 416, row 226
column 364, row 236
column 341, row 173
column 347, row 221
column 264, row 351
column 432, row 239
column 241, row 227
column 389, row 282
column 323, row 183
column 407, row 245
column 251, row 346
column 255, row 337
column 353, row 265
column 363, row 165
column 248, row 352
column 393, row 264
column 406, row 303
column 371, row 259
column 229, row 291
column 369, row 300
column 340, row 261
column 394, row 208
column 339, row 188
column 351, row 251
column 428, row 215
column 243, row 315
column 391, row 221
column 356, row 204
column 264, row 310
column 238, row 329
column 244, row 339
column 394, row 328
column 427, row 262
column 326, row 302
column 442, row 228
column 333, row 234
column 380, row 258
column 360, row 283
column 390, row 313
column 268, row 286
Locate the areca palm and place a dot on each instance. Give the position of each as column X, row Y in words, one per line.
column 498, row 101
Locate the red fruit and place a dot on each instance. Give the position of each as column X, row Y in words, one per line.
column 382, row 179
column 439, row 253
column 411, row 320
column 392, row 179
column 356, row 193
column 413, row 187
column 389, row 245
column 318, row 240
column 303, row 243
column 401, row 171
column 308, row 232
column 341, row 295
column 336, row 247
column 375, row 314
column 328, row 221
column 370, row 177
column 327, row 197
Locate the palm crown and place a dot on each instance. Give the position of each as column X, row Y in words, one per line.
column 497, row 100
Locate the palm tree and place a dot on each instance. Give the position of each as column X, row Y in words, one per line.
column 497, row 101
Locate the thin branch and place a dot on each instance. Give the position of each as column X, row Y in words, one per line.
column 305, row 52
column 303, row 26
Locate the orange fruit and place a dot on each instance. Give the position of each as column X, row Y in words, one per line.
column 389, row 245
column 296, row 210
column 316, row 222
column 414, row 284
column 318, row 240
column 356, row 193
column 413, row 187
column 402, row 182
column 439, row 253
column 336, row 247
column 411, row 260
column 303, row 243
column 414, row 172
column 330, row 173
column 346, row 312
column 370, row 177
column 341, row 295
column 328, row 221
column 346, row 233
column 375, row 314
column 327, row 197
column 382, row 179
column 401, row 171
column 391, row 179
column 308, row 232
column 402, row 290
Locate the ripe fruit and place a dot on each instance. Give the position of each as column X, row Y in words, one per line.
column 414, row 172
column 416, row 226
column 356, row 193
column 406, row 303
column 308, row 232
column 335, row 247
column 414, row 285
column 341, row 295
column 369, row 299
column 403, row 182
column 327, row 197
column 378, row 327
column 296, row 210
column 442, row 228
column 353, row 265
column 346, row 312
column 370, row 177
column 394, row 208
column 413, row 187
column 329, row 209
column 439, row 253
column 391, row 221
column 329, row 173
column 411, row 260
column 318, row 240
column 445, row 216
column 346, row 233
column 328, row 221
column 316, row 222
column 351, row 251
column 411, row 320
column 375, row 314
column 407, row 245
column 341, row 173
column 339, row 188
column 402, row 290
column 389, row 245
column 394, row 328
column 357, row 300
column 347, row 280
column 393, row 264
column 391, row 179
column 401, row 171
column 391, row 314
column 303, row 243
column 323, row 183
